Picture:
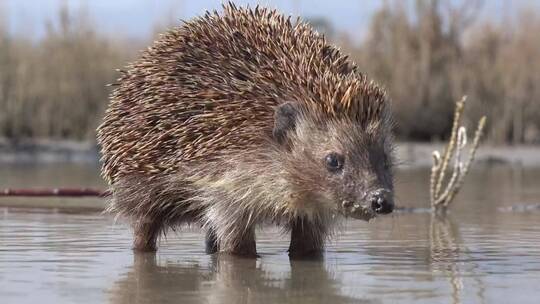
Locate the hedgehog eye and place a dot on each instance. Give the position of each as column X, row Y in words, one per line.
column 334, row 162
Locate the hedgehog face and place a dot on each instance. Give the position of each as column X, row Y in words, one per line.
column 337, row 163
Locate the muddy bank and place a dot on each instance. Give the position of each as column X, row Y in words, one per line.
column 409, row 154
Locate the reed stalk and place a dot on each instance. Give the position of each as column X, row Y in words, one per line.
column 443, row 189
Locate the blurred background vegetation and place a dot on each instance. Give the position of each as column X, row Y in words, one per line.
column 427, row 55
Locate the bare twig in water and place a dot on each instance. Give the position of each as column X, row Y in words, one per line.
column 440, row 199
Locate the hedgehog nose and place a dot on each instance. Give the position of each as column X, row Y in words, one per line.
column 381, row 202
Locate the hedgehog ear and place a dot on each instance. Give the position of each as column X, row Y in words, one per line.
column 285, row 117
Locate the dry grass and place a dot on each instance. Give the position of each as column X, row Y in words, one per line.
column 427, row 58
column 431, row 56
column 56, row 87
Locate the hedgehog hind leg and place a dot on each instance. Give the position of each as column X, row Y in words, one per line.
column 147, row 227
column 307, row 239
column 152, row 206
column 146, row 231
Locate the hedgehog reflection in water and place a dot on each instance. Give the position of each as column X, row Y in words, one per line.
column 241, row 118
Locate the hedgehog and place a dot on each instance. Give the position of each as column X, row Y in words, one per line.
column 242, row 118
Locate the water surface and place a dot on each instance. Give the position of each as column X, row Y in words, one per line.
column 477, row 254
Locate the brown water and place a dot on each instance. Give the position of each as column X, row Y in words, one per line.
column 477, row 254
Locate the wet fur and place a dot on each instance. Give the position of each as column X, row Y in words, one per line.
column 229, row 204
column 280, row 184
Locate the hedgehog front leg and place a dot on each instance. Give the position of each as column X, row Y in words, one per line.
column 307, row 239
column 242, row 244
column 231, row 236
column 211, row 241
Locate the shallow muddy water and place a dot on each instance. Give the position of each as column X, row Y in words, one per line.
column 477, row 254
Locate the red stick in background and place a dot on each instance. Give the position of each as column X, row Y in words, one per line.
column 65, row 192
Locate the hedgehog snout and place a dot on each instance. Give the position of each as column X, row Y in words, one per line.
column 381, row 201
